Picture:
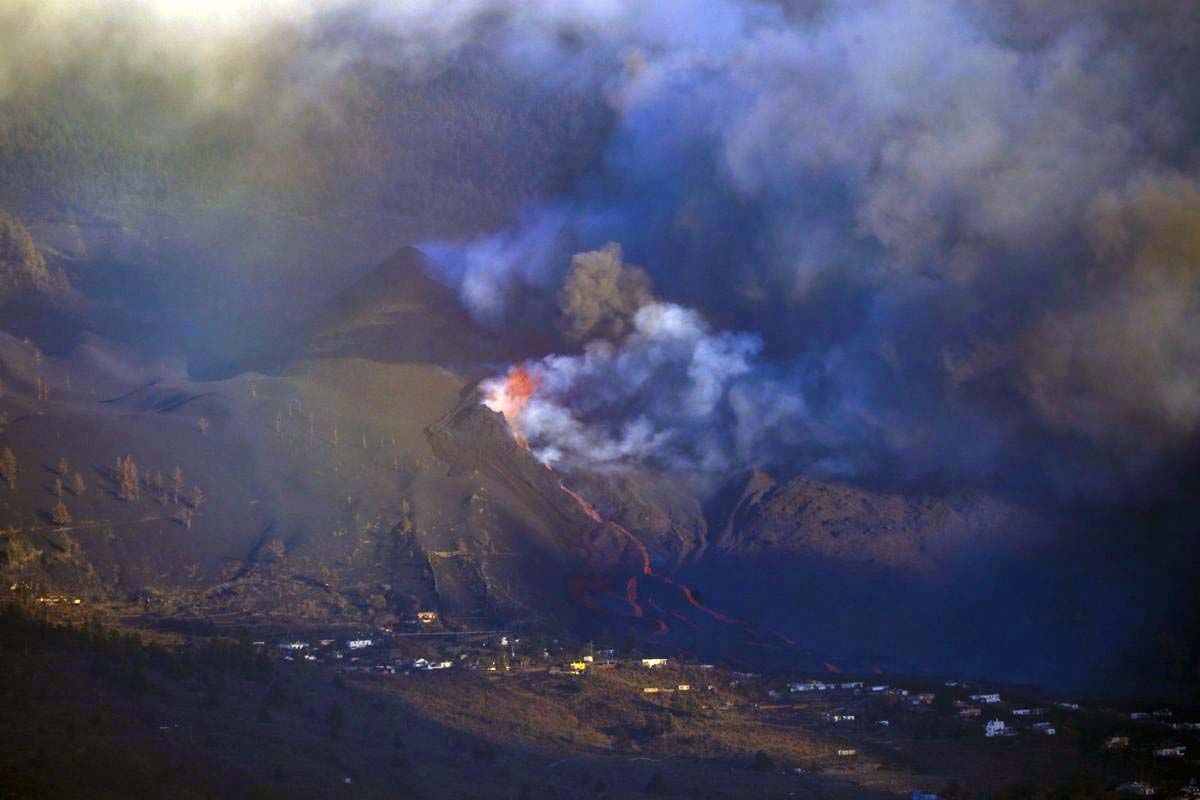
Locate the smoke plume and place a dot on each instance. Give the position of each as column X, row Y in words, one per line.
column 944, row 240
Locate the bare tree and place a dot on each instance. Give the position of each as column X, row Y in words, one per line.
column 177, row 478
column 184, row 517
column 8, row 467
column 62, row 468
column 197, row 497
column 202, row 424
column 77, row 484
column 58, row 487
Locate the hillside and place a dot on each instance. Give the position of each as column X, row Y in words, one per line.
column 398, row 313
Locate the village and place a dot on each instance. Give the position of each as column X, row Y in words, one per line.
column 856, row 720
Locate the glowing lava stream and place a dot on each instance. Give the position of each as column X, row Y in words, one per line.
column 508, row 397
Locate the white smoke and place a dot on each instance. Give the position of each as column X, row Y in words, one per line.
column 661, row 394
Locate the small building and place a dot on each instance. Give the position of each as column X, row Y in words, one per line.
column 1116, row 743
column 1044, row 728
column 426, row 617
column 683, row 687
column 651, row 663
column 1067, row 706
column 1140, row 715
column 1137, row 789
column 918, row 795
column 986, row 698
column 845, row 752
column 359, row 644
column 1174, row 751
column 970, row 711
column 996, row 727
column 922, row 698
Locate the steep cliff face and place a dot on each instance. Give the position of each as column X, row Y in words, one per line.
column 849, row 525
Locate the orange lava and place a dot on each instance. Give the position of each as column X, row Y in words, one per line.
column 632, row 597
column 584, row 504
column 509, row 397
column 717, row 615
column 641, row 548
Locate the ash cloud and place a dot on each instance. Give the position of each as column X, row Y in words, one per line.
column 960, row 234
column 963, row 233
column 602, row 295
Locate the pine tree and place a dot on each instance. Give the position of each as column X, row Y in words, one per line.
column 197, row 497
column 60, row 515
column 8, row 467
column 129, row 487
column 77, row 484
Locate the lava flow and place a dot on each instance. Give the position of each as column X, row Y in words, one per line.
column 508, row 396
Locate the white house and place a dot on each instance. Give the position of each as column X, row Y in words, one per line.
column 986, row 698
column 995, row 727
column 651, row 663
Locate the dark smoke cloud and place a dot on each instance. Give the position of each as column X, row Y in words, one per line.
column 964, row 234
column 602, row 295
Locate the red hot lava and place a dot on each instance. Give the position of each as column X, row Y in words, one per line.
column 509, row 396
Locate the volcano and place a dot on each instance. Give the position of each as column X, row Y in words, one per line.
column 375, row 473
